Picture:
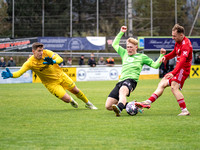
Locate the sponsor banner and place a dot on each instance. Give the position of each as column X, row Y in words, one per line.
column 195, row 71
column 158, row 43
column 98, row 73
column 112, row 73
column 167, row 43
column 25, row 78
column 146, row 70
column 141, row 42
column 63, row 43
column 25, row 44
column 71, row 72
column 149, row 73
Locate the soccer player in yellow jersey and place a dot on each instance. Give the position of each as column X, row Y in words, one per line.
column 45, row 64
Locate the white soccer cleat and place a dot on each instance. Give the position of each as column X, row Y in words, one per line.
column 90, row 106
column 74, row 103
column 184, row 113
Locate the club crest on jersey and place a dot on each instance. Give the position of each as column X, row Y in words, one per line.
column 178, row 50
column 130, row 59
column 185, row 53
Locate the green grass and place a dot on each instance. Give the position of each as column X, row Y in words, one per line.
column 32, row 118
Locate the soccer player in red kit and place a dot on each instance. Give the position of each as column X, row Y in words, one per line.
column 176, row 78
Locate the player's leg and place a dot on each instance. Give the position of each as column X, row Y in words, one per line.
column 60, row 93
column 113, row 99
column 156, row 94
column 123, row 92
column 124, row 89
column 79, row 94
column 69, row 84
column 109, row 102
column 68, row 99
column 180, row 98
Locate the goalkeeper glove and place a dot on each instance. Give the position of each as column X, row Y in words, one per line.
column 6, row 74
column 49, row 61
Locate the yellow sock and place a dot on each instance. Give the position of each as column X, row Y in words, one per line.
column 82, row 96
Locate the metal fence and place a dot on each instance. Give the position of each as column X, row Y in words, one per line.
column 80, row 18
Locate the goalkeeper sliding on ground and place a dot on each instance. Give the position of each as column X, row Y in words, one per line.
column 45, row 64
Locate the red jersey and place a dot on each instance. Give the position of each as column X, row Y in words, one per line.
column 183, row 52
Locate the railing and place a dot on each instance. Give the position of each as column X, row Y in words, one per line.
column 62, row 54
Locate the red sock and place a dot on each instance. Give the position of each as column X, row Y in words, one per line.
column 153, row 97
column 181, row 103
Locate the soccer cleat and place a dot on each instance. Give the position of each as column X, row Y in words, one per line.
column 74, row 104
column 140, row 110
column 184, row 113
column 116, row 110
column 90, row 106
column 143, row 104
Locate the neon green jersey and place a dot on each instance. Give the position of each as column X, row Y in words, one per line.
column 132, row 64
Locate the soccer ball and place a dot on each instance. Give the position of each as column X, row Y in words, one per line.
column 131, row 109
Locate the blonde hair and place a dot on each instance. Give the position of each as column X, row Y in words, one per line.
column 132, row 40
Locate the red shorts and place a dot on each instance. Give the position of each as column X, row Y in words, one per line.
column 179, row 78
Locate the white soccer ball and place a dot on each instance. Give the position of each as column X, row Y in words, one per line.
column 131, row 109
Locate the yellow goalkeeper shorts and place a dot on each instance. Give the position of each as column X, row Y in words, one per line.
column 59, row 87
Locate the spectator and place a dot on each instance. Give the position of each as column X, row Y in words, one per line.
column 172, row 63
column 11, row 62
column 110, row 62
column 2, row 62
column 81, row 60
column 163, row 69
column 69, row 61
column 101, row 61
column 92, row 61
column 197, row 60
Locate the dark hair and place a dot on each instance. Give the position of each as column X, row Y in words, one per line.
column 36, row 45
column 178, row 28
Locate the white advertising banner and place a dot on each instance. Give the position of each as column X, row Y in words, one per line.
column 25, row 78
column 98, row 73
column 146, row 70
column 107, row 73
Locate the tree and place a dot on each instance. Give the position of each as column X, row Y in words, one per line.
column 5, row 24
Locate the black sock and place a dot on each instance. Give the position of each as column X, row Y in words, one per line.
column 121, row 106
column 125, row 105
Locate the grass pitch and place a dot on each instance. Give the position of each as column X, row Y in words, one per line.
column 32, row 118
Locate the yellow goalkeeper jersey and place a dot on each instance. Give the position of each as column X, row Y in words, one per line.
column 47, row 73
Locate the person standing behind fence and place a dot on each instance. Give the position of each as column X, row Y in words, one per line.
column 92, row 61
column 11, row 62
column 110, row 62
column 101, row 61
column 2, row 62
column 81, row 60
column 172, row 64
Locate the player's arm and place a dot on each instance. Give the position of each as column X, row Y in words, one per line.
column 116, row 41
column 171, row 55
column 52, row 58
column 158, row 62
column 7, row 74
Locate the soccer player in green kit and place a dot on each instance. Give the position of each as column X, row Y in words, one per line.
column 132, row 63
